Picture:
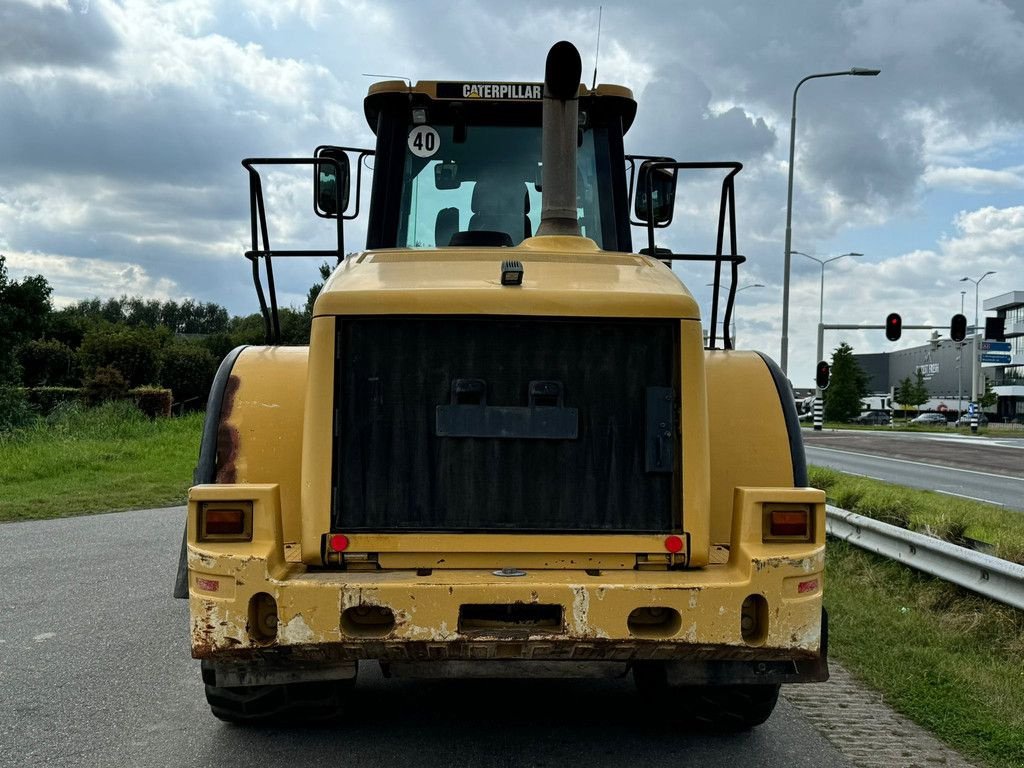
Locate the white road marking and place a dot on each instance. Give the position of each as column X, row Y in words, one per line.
column 972, row 498
column 44, row 636
column 861, row 474
column 915, row 463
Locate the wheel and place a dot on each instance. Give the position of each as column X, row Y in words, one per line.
column 713, row 707
column 733, row 707
column 283, row 703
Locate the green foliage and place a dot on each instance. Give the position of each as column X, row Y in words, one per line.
column 154, row 402
column 48, row 362
column 24, row 306
column 83, row 460
column 848, row 386
column 314, row 290
column 46, row 399
column 911, row 394
column 105, row 384
column 187, row 368
column 989, row 398
column 188, row 317
column 135, row 352
column 14, row 409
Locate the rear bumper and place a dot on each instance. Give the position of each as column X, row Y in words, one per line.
column 409, row 615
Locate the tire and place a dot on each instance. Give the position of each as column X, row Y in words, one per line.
column 710, row 707
column 284, row 703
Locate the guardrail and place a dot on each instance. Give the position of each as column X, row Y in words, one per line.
column 997, row 579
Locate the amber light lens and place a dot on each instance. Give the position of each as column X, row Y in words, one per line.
column 789, row 522
column 226, row 523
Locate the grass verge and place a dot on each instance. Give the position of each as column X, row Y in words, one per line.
column 946, row 659
column 948, row 517
column 83, row 461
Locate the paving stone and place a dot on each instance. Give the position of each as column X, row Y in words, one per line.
column 870, row 734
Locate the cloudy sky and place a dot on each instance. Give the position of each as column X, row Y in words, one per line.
column 122, row 125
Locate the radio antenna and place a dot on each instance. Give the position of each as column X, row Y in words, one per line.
column 407, row 80
column 597, row 51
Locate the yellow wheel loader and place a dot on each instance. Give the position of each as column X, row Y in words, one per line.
column 508, row 450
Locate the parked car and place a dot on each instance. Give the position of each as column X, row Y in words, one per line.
column 965, row 420
column 878, row 418
column 929, row 418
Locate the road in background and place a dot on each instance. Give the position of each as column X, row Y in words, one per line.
column 979, row 468
column 95, row 671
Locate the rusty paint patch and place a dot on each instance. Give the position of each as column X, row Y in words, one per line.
column 227, row 435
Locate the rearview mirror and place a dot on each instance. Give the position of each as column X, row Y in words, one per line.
column 331, row 183
column 446, row 176
column 663, row 194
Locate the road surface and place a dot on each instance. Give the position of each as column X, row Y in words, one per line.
column 979, row 468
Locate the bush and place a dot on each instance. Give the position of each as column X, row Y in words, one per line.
column 46, row 399
column 47, row 362
column 152, row 401
column 14, row 409
column 187, row 369
column 134, row 351
column 105, row 384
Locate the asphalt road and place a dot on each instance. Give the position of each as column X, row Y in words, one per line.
column 980, row 468
column 95, row 671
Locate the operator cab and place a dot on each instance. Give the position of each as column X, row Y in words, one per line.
column 459, row 164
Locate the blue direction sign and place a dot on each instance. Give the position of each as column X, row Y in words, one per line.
column 995, row 346
column 994, row 358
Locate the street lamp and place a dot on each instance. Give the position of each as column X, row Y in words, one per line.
column 734, row 313
column 821, row 295
column 819, row 350
column 974, row 348
column 856, row 71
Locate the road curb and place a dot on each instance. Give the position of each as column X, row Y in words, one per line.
column 856, row 720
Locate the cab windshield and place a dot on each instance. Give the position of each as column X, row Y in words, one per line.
column 487, row 182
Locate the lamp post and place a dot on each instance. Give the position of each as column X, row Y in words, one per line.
column 820, row 351
column 734, row 313
column 856, row 71
column 975, row 349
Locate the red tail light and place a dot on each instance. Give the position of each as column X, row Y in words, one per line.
column 338, row 542
column 225, row 521
column 673, row 544
column 787, row 523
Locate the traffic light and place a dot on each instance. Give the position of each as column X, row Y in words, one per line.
column 893, row 326
column 995, row 329
column 821, row 375
column 958, row 328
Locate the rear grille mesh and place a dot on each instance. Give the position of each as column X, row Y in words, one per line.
column 394, row 471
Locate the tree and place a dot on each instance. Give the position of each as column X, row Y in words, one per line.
column 990, row 398
column 314, row 290
column 187, row 369
column 848, row 386
column 911, row 394
column 24, row 308
column 133, row 351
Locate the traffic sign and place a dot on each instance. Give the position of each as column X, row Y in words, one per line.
column 995, row 346
column 994, row 358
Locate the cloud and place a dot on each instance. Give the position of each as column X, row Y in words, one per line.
column 973, row 179
column 53, row 35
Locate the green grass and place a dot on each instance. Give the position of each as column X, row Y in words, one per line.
column 946, row 659
column 82, row 461
column 947, row 517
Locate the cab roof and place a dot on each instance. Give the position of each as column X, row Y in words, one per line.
column 614, row 97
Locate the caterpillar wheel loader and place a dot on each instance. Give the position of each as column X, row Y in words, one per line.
column 508, row 449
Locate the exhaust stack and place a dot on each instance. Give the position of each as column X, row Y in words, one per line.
column 558, row 151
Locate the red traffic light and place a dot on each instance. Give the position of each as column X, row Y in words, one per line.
column 893, row 326
column 821, row 375
column 958, row 328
